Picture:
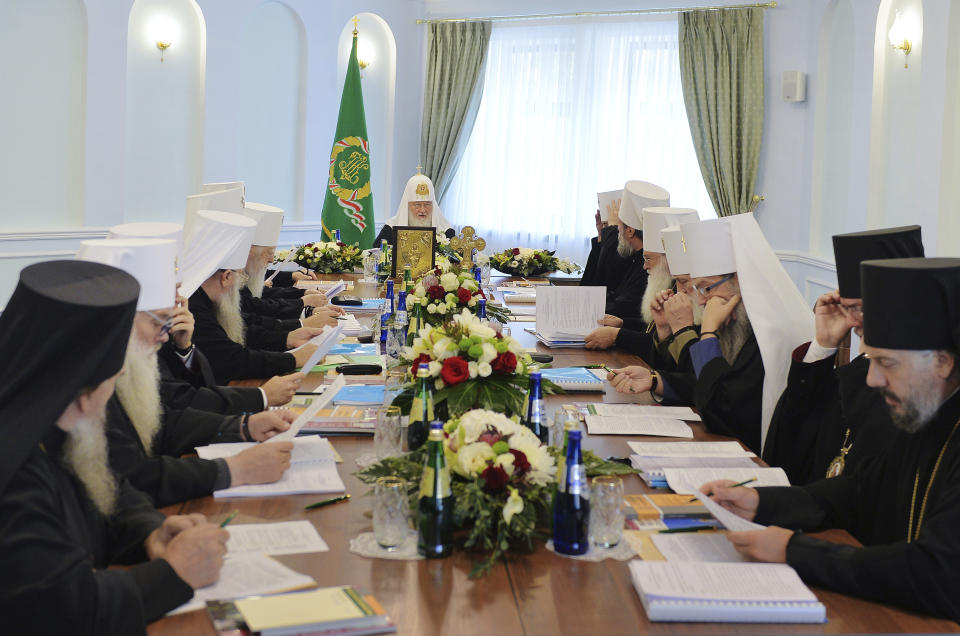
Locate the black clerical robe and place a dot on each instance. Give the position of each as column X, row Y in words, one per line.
column 728, row 397
column 54, row 547
column 815, row 411
column 623, row 300
column 164, row 475
column 229, row 360
column 641, row 339
column 610, row 267
column 873, row 503
column 270, row 334
column 195, row 387
column 282, row 308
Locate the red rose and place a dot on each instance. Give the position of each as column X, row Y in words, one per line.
column 309, row 245
column 454, row 371
column 536, row 256
column 516, row 251
column 496, row 478
column 464, row 296
column 504, row 363
column 521, row 465
column 436, row 292
column 341, row 244
column 422, row 358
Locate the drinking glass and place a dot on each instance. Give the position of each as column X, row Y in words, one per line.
column 505, row 331
column 390, row 512
column 606, row 511
column 560, row 417
column 485, row 275
column 386, row 436
column 370, row 258
column 393, row 384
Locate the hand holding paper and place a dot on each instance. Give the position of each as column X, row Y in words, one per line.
column 310, row 412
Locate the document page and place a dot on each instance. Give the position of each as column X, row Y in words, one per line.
column 569, row 312
column 300, row 479
column 324, row 342
column 310, row 411
column 641, row 425
column 659, row 464
column 675, row 412
column 729, row 520
column 697, row 546
column 285, row 537
column 689, row 449
column 689, row 480
column 769, row 582
column 305, row 449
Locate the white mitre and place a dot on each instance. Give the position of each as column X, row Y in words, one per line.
column 638, row 195
column 419, row 188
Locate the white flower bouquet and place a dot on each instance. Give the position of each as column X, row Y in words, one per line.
column 328, row 258
column 526, row 261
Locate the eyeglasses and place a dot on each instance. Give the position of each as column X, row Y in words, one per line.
column 703, row 291
column 166, row 324
column 854, row 311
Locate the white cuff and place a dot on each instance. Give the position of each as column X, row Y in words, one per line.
column 264, row 394
column 817, row 352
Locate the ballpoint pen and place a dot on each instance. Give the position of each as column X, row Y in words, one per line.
column 327, row 502
column 230, row 517
column 742, row 483
column 687, row 529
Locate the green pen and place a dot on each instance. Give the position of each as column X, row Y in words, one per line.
column 687, row 529
column 742, row 483
column 327, row 502
column 230, row 517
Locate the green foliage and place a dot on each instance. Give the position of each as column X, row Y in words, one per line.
column 596, row 466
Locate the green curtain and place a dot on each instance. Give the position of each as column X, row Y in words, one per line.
column 456, row 58
column 721, row 69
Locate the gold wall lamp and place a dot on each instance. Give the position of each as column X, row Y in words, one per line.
column 903, row 33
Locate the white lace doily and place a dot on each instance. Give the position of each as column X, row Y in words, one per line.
column 366, row 460
column 366, row 545
column 620, row 552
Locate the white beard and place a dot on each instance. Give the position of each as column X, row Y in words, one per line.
column 735, row 334
column 416, row 221
column 697, row 312
column 255, row 284
column 228, row 313
column 85, row 455
column 138, row 389
column 658, row 280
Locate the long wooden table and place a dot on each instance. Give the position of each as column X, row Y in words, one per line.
column 538, row 593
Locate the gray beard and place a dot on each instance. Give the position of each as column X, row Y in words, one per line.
column 624, row 249
column 919, row 411
column 228, row 313
column 697, row 312
column 255, row 284
column 732, row 337
column 415, row 221
column 85, row 455
column 138, row 389
column 658, row 280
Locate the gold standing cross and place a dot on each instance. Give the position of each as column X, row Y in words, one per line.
column 465, row 244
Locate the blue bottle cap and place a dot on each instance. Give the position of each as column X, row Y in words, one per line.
column 436, row 425
column 424, row 365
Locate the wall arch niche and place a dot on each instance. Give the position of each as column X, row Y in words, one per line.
column 163, row 140
column 272, row 107
column 378, row 47
column 43, row 63
column 895, row 179
column 832, row 153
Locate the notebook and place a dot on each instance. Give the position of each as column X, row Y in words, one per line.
column 575, row 378
column 637, row 425
column 680, row 591
column 689, row 480
column 360, row 395
column 651, row 468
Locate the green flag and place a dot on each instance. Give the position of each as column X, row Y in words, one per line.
column 348, row 206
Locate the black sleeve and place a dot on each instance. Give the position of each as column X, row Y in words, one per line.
column 282, row 280
column 232, row 361
column 135, row 518
column 639, row 343
column 287, row 293
column 729, row 398
column 50, row 584
column 181, row 388
column 590, row 269
column 273, row 307
column 262, row 336
column 386, row 234
column 802, row 418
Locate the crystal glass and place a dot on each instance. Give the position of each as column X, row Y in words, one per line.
column 370, row 258
column 560, row 418
column 606, row 511
column 387, row 434
column 390, row 512
column 394, row 382
column 505, row 331
column 485, row 275
column 396, row 340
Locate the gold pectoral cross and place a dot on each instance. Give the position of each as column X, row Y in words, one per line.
column 465, row 244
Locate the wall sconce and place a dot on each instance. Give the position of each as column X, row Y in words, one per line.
column 365, row 53
column 902, row 34
column 163, row 32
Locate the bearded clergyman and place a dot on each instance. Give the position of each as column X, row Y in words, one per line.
column 418, row 208
column 213, row 277
column 64, row 516
column 147, row 441
column 753, row 318
column 828, row 420
column 904, row 504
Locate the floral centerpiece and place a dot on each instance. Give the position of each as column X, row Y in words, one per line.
column 502, row 481
column 327, row 258
column 444, row 293
column 472, row 365
column 526, row 261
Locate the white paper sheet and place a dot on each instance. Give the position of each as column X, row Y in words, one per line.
column 604, row 199
column 569, row 312
column 764, row 582
column 656, row 465
column 729, row 520
column 324, row 342
column 247, row 575
column 305, row 449
column 689, row 480
column 697, row 546
column 689, row 449
column 300, row 479
column 309, row 412
column 284, row 265
column 614, row 425
column 676, row 412
column 285, row 537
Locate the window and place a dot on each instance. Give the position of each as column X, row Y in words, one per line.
column 568, row 110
